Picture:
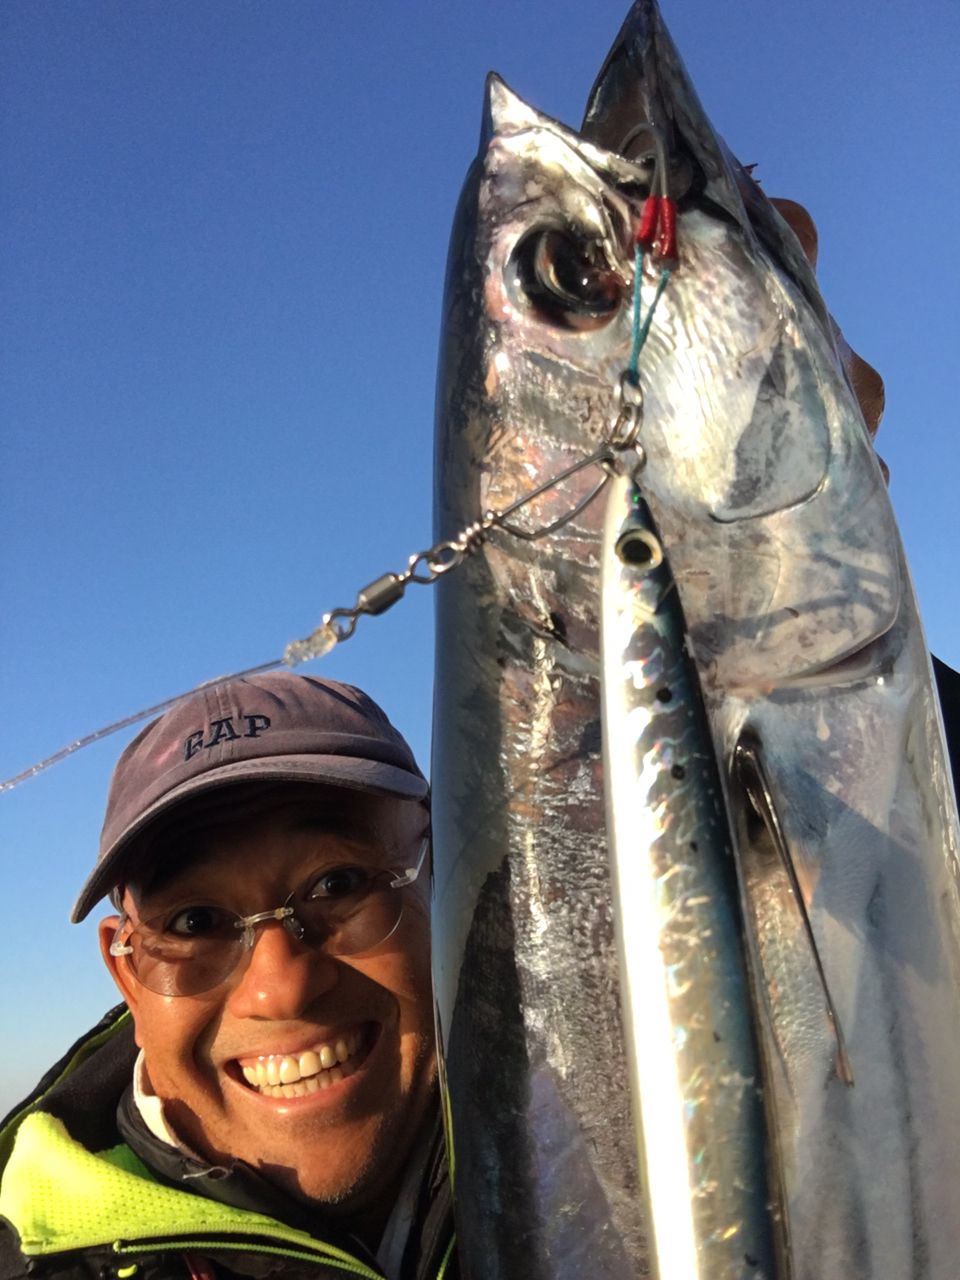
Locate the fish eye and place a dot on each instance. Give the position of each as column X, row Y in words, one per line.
column 567, row 279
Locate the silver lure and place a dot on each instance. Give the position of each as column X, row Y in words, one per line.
column 814, row 671
column 691, row 1043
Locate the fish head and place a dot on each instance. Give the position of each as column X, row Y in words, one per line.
column 537, row 305
column 643, row 85
column 758, row 465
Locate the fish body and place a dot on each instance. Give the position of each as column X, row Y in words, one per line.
column 690, row 1036
column 773, row 510
column 546, row 1172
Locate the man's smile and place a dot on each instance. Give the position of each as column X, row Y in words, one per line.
column 295, row 1075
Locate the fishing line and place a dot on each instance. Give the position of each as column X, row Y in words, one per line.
column 656, row 234
column 426, row 567
column 641, row 328
column 89, row 739
column 634, row 361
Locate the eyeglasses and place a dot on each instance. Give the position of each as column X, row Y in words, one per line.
column 341, row 910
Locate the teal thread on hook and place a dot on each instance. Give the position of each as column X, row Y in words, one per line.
column 641, row 327
column 633, row 363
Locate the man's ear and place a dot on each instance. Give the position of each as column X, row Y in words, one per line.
column 117, row 965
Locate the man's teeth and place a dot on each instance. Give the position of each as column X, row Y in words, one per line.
column 293, row 1075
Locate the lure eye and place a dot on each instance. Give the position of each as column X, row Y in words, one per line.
column 567, row 280
column 639, row 548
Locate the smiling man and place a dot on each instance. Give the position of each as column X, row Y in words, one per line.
column 265, row 1100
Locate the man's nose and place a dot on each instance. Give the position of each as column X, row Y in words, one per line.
column 281, row 976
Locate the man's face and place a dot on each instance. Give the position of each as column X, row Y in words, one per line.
column 289, row 1007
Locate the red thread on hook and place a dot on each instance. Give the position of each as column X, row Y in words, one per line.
column 647, row 230
column 657, row 231
column 667, row 227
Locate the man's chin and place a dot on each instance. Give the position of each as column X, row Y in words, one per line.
column 304, row 1175
column 362, row 1195
column 337, row 1196
column 301, row 1167
column 341, row 1192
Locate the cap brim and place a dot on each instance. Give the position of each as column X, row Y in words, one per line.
column 371, row 776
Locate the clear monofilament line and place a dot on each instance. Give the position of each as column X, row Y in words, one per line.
column 90, row 738
column 326, row 636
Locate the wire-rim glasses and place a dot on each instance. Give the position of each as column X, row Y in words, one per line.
column 341, row 910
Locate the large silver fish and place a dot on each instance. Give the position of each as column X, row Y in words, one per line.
column 773, row 510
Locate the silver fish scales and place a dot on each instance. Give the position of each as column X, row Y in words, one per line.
column 814, row 671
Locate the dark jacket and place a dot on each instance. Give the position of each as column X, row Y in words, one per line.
column 87, row 1191
column 948, row 687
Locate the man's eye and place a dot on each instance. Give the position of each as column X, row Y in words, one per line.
column 339, row 882
column 199, row 922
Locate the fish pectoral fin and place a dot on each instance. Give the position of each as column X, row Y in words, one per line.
column 764, row 830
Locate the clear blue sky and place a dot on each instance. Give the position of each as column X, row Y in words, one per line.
column 224, row 227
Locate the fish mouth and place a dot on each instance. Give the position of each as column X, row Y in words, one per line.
column 642, row 85
column 296, row 1075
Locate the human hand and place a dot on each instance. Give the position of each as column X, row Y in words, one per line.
column 866, row 382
